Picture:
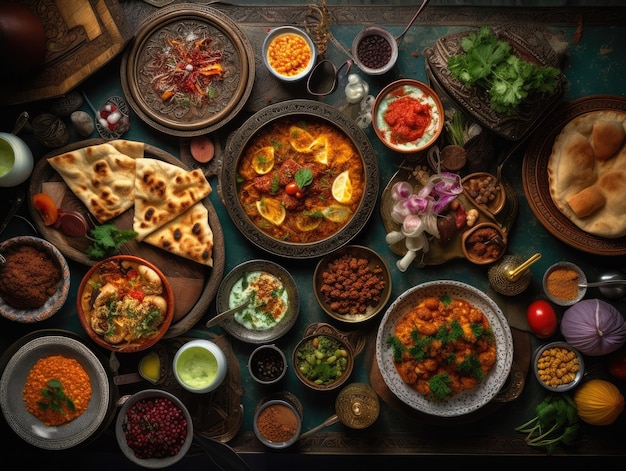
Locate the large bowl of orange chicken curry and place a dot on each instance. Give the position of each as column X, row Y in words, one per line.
column 444, row 348
column 299, row 179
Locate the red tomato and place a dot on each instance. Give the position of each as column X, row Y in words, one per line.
column 617, row 364
column 541, row 318
column 46, row 207
column 292, row 188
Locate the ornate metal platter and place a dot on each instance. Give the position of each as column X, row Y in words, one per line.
column 176, row 30
column 537, row 188
column 307, row 109
column 528, row 43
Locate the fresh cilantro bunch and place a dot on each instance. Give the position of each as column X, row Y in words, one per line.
column 106, row 240
column 489, row 63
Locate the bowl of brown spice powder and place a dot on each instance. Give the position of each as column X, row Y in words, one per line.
column 561, row 283
column 34, row 280
column 277, row 422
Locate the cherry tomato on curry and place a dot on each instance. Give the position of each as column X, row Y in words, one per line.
column 541, row 318
column 292, row 188
column 46, row 207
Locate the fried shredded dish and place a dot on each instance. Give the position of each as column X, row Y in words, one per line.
column 443, row 346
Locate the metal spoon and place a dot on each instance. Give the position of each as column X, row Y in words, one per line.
column 226, row 314
column 612, row 284
column 419, row 10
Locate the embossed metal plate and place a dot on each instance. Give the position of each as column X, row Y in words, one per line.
column 181, row 23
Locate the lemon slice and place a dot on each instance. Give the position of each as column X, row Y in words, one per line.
column 336, row 213
column 272, row 210
column 300, row 139
column 319, row 147
column 263, row 160
column 342, row 187
column 307, row 223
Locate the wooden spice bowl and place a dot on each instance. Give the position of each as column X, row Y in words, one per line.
column 561, row 283
column 484, row 243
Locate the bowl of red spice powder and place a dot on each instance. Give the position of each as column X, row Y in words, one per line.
column 34, row 280
column 407, row 116
column 561, row 283
column 277, row 422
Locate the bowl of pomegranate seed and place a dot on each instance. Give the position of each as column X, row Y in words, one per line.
column 154, row 429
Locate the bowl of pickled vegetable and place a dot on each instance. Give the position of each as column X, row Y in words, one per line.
column 324, row 359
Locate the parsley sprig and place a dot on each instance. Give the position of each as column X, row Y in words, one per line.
column 106, row 240
column 54, row 398
column 489, row 63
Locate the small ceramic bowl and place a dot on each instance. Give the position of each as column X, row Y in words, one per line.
column 277, row 423
column 483, row 188
column 573, row 365
column 361, row 306
column 267, row 364
column 484, row 243
column 147, row 456
column 560, row 283
column 54, row 302
column 324, row 359
column 375, row 50
column 419, row 101
column 93, row 285
column 200, row 366
column 277, row 42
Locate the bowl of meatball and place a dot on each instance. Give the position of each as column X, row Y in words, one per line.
column 352, row 284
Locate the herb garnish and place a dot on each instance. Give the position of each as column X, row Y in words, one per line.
column 54, row 398
column 106, row 240
column 490, row 64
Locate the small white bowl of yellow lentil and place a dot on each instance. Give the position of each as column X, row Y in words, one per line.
column 288, row 53
column 558, row 366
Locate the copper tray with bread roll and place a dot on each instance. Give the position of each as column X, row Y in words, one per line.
column 536, row 179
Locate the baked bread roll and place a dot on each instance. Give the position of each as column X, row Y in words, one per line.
column 587, row 172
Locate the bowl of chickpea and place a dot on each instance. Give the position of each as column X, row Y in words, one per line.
column 288, row 53
column 558, row 366
column 352, row 284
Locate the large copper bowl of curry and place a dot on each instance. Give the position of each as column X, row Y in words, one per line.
column 125, row 303
column 299, row 179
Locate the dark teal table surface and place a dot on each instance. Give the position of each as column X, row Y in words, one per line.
column 595, row 64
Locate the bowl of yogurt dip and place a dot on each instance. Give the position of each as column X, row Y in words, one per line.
column 200, row 366
column 16, row 160
column 407, row 116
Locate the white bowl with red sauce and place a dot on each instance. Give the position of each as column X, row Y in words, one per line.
column 407, row 116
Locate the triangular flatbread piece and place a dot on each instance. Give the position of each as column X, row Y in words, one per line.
column 189, row 235
column 162, row 192
column 101, row 176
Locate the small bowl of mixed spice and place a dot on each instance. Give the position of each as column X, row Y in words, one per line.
column 561, row 283
column 278, row 421
column 34, row 280
column 267, row 364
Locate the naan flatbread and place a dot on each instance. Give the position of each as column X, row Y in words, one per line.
column 162, row 192
column 587, row 173
column 102, row 176
column 189, row 235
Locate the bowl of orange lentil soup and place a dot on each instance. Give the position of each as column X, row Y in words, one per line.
column 558, row 366
column 352, row 284
column 52, row 371
column 407, row 116
column 288, row 53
